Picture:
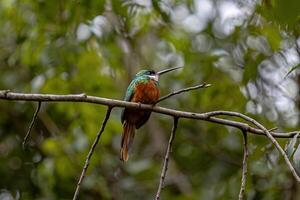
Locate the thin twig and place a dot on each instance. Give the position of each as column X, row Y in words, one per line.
column 31, row 124
column 92, row 149
column 273, row 129
column 244, row 170
column 204, row 85
column 208, row 116
column 13, row 96
column 166, row 160
column 268, row 134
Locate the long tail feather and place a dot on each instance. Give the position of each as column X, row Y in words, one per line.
column 127, row 139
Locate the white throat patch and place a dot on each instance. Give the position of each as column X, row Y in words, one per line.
column 154, row 77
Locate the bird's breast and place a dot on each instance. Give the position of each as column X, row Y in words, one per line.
column 147, row 93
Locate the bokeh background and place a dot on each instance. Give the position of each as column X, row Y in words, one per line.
column 248, row 51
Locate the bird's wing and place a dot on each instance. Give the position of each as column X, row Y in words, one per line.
column 128, row 96
column 143, row 119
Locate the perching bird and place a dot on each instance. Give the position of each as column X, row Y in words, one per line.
column 142, row 89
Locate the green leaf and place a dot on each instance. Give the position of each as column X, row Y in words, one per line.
column 251, row 65
column 273, row 35
column 291, row 70
column 282, row 12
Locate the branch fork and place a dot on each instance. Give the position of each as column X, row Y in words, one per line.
column 258, row 129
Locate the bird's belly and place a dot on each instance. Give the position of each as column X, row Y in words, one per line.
column 147, row 93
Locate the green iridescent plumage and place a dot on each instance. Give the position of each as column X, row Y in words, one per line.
column 140, row 77
column 144, row 89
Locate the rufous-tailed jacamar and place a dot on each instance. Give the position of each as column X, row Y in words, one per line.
column 142, row 89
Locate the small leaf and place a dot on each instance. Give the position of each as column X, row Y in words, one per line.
column 290, row 146
column 251, row 65
column 291, row 70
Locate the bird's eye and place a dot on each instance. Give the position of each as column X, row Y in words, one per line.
column 151, row 72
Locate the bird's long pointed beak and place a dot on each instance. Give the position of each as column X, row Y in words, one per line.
column 167, row 70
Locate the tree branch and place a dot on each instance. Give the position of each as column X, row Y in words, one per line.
column 31, row 124
column 268, row 134
column 204, row 85
column 176, row 114
column 92, row 149
column 244, row 169
column 166, row 160
column 7, row 95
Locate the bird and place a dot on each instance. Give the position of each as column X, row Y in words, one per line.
column 142, row 89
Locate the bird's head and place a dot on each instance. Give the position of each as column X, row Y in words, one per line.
column 154, row 75
column 149, row 73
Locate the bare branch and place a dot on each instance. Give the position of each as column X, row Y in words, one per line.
column 176, row 114
column 204, row 85
column 166, row 160
column 92, row 149
column 7, row 95
column 31, row 125
column 269, row 135
column 244, row 169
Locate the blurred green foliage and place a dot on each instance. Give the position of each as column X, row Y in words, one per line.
column 95, row 47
